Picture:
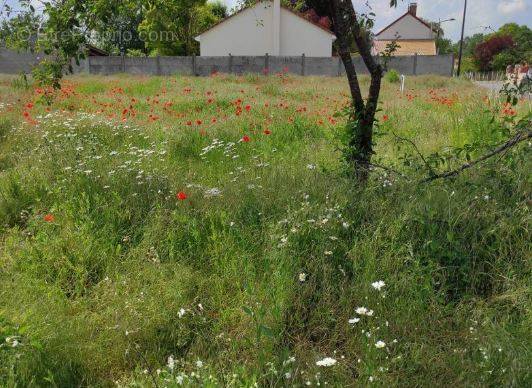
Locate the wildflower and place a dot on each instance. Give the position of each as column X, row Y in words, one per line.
column 352, row 321
column 49, row 218
column 171, row 363
column 214, row 192
column 248, row 108
column 364, row 311
column 267, row 132
column 246, row 139
column 385, row 118
column 311, row 166
column 302, row 277
column 327, row 361
column 181, row 196
column 378, row 285
column 181, row 313
column 380, row 344
column 12, row 341
column 199, row 364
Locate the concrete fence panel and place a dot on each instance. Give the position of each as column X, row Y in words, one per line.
column 105, row 65
column 14, row 63
column 436, row 64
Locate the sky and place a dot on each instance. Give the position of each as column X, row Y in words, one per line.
column 480, row 13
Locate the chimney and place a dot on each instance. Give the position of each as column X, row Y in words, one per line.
column 276, row 27
column 412, row 9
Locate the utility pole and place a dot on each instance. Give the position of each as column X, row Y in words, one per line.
column 461, row 41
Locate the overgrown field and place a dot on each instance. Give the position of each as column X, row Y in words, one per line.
column 204, row 231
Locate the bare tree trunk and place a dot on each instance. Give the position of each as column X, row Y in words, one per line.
column 363, row 117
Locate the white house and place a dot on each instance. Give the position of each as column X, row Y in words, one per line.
column 412, row 34
column 266, row 28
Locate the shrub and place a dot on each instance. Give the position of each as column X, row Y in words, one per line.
column 392, row 76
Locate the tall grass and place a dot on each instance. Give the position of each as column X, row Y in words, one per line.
column 258, row 274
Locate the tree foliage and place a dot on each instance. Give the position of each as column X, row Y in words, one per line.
column 493, row 52
column 487, row 50
column 172, row 25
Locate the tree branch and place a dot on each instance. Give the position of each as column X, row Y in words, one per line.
column 518, row 138
column 404, row 139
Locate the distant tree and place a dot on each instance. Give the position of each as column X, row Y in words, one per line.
column 119, row 32
column 470, row 43
column 172, row 25
column 218, row 9
column 522, row 36
column 444, row 46
column 487, row 50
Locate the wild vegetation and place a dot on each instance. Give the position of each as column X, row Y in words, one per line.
column 509, row 45
column 185, row 231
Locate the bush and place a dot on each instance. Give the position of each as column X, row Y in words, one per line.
column 392, row 76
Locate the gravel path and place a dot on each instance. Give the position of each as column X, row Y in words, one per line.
column 491, row 85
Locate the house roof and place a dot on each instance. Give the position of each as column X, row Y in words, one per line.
column 95, row 51
column 298, row 14
column 400, row 18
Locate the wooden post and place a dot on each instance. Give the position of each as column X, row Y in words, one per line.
column 303, row 64
column 415, row 64
column 123, row 62
column 230, row 64
column 339, row 67
column 194, row 64
column 267, row 62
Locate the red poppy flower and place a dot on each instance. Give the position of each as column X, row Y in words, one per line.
column 248, row 108
column 267, row 132
column 181, row 196
column 49, row 218
column 385, row 118
column 246, row 139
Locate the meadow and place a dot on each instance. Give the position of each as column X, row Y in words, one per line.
column 170, row 231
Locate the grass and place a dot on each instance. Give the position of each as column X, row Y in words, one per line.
column 107, row 278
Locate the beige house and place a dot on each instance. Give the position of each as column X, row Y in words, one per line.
column 266, row 28
column 412, row 34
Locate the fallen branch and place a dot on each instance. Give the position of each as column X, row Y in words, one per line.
column 518, row 138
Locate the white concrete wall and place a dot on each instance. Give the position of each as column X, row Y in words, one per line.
column 250, row 33
column 301, row 37
column 407, row 28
